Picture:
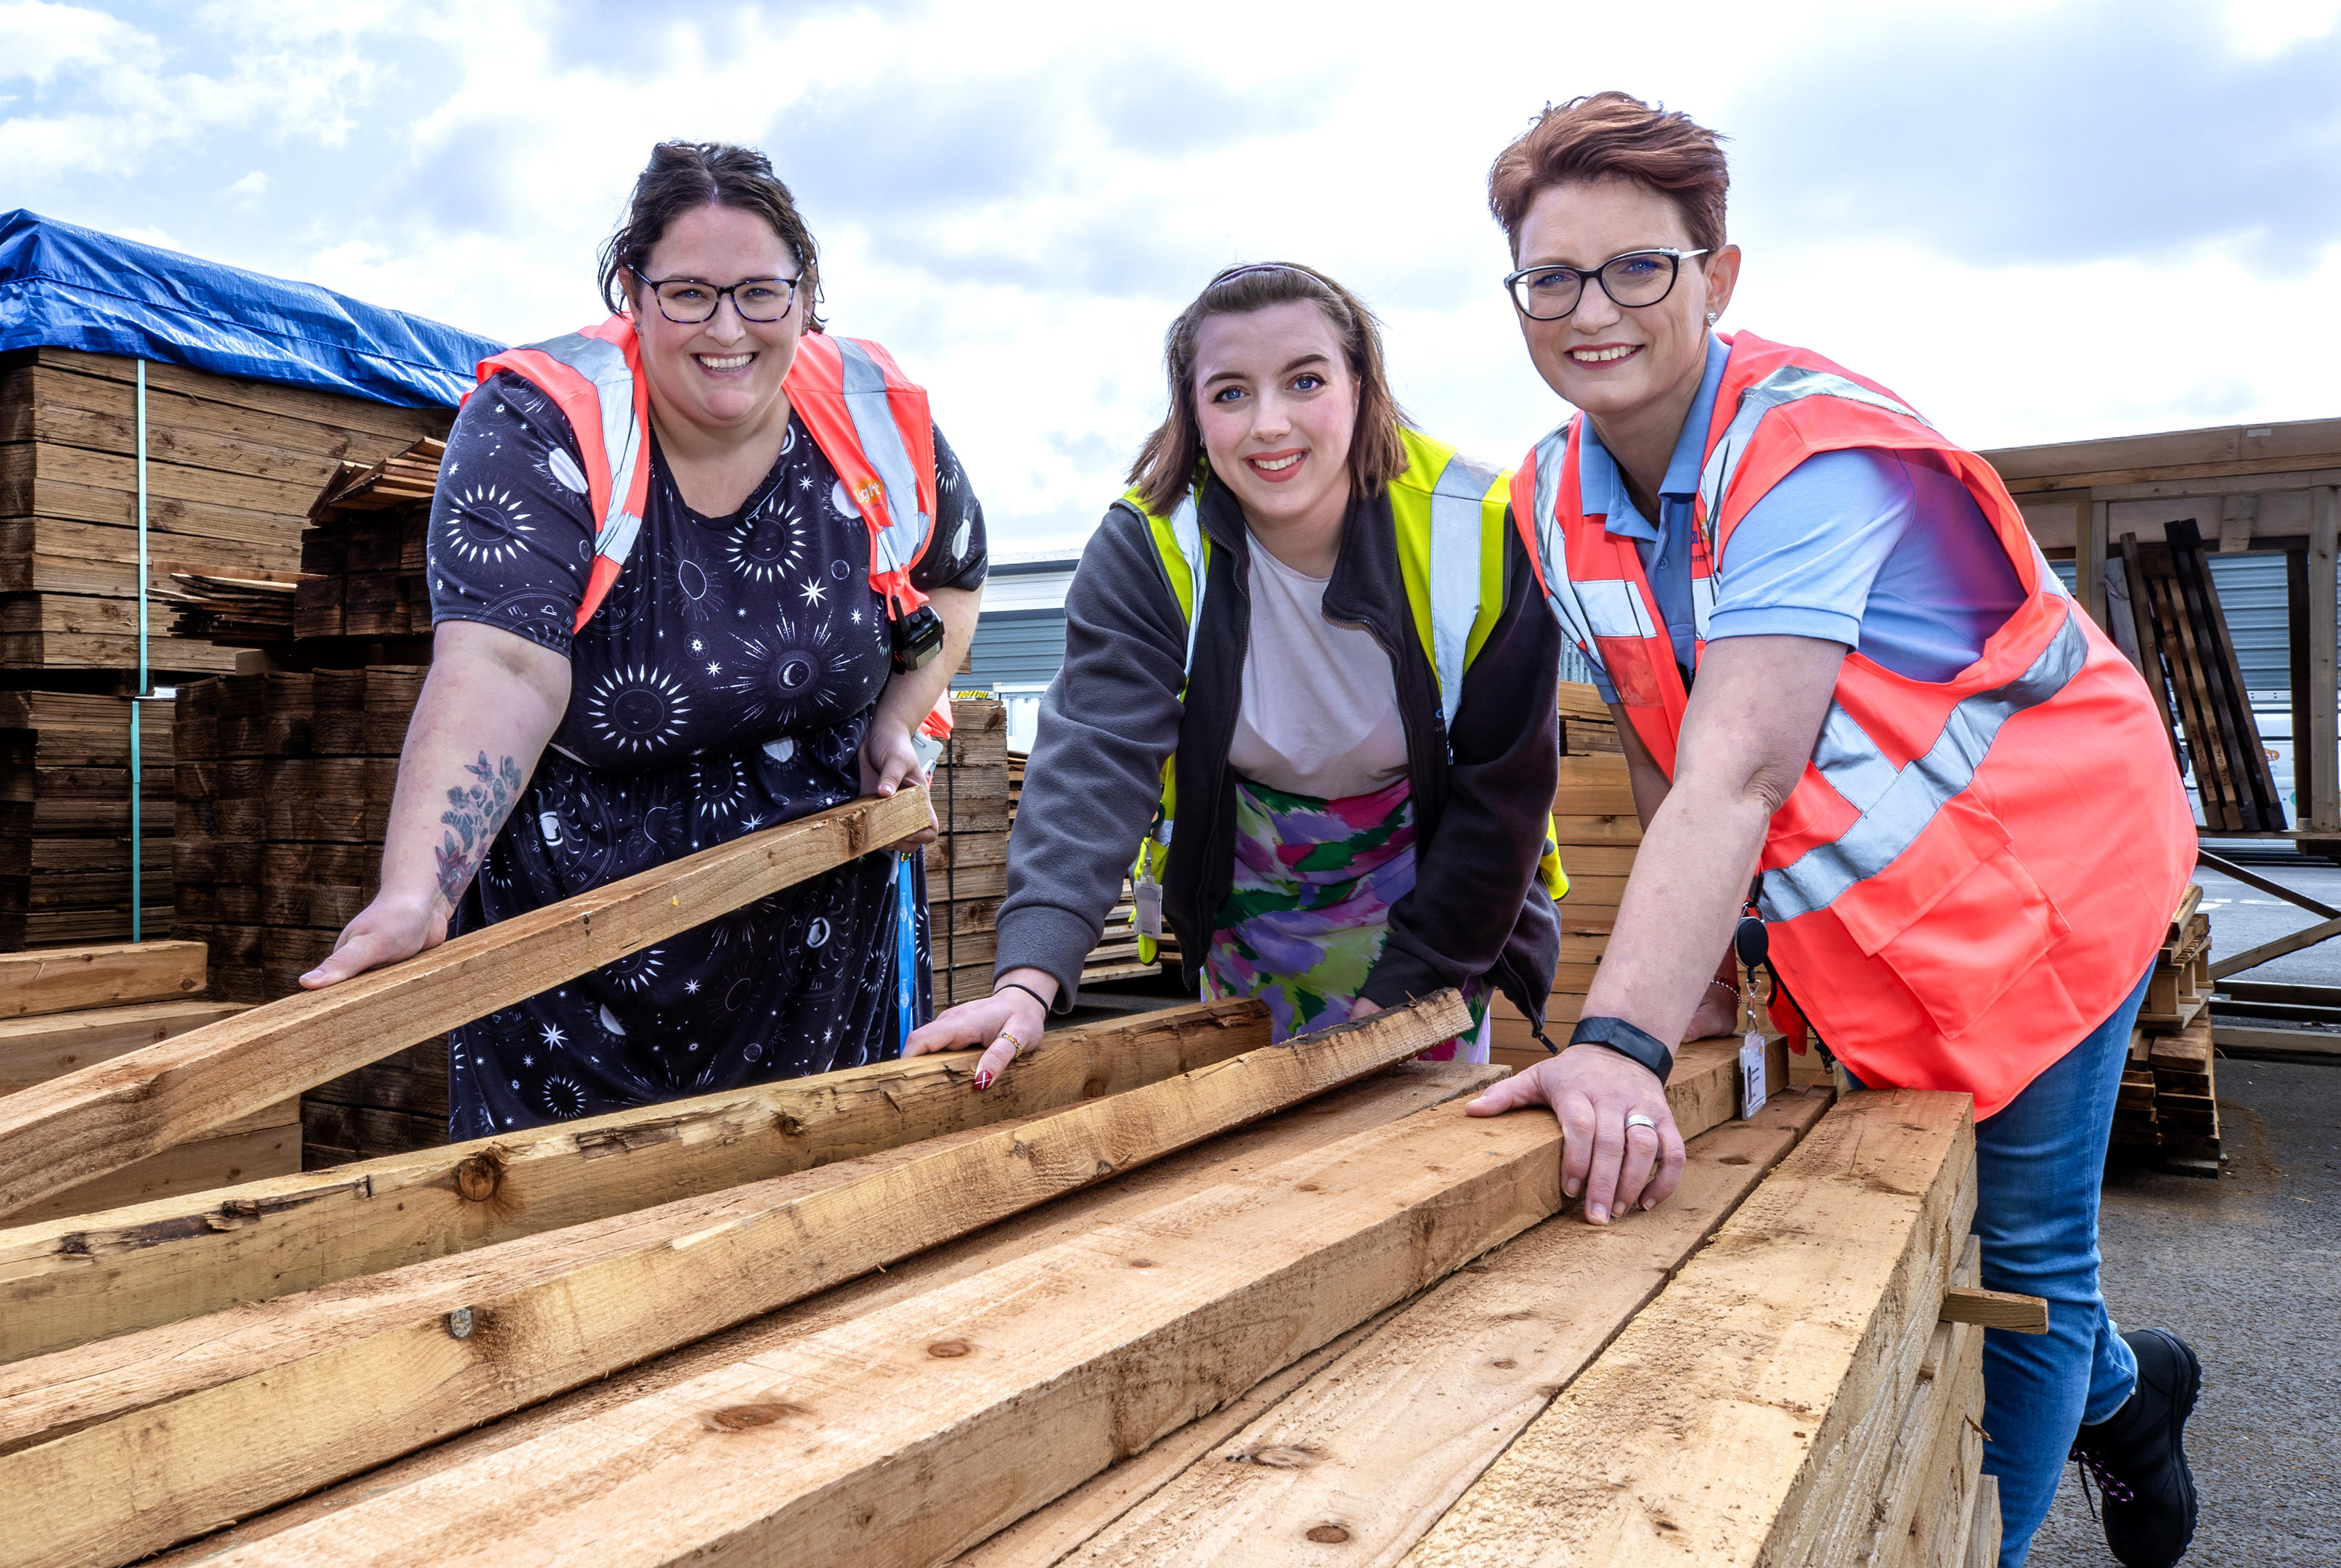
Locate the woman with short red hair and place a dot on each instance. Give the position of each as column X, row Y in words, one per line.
column 1857, row 705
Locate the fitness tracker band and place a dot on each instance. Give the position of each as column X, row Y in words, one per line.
column 1633, row 1044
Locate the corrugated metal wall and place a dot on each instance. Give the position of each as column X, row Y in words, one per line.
column 1017, row 646
column 1024, row 647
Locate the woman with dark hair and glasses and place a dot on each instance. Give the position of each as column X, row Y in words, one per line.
column 1871, row 737
column 683, row 588
column 1310, row 635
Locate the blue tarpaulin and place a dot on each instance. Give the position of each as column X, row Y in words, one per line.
column 66, row 287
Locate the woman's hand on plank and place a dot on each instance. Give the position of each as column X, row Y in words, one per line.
column 1592, row 1090
column 888, row 758
column 390, row 929
column 1002, row 1024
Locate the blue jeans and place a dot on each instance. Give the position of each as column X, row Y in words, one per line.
column 2040, row 1163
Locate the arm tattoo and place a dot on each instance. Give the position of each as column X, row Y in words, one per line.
column 476, row 811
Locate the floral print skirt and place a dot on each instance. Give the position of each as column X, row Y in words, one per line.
column 1309, row 912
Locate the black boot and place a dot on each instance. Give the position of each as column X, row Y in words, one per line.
column 2138, row 1454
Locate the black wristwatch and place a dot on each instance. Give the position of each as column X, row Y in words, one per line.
column 1635, row 1045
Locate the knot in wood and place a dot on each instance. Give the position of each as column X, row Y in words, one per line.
column 1327, row 1534
column 478, row 1178
column 1282, row 1458
column 948, row 1349
column 791, row 1127
column 742, row 1417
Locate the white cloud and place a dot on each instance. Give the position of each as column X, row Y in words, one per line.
column 250, row 188
column 1016, row 197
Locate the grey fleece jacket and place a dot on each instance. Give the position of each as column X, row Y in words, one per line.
column 1113, row 715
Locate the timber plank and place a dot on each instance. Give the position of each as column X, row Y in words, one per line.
column 35, row 1049
column 70, row 1282
column 105, row 1117
column 1237, row 1156
column 907, row 1433
column 120, row 1448
column 112, row 974
column 1893, row 1440
column 265, row 1143
column 1594, row 787
column 1937, row 1442
column 1380, row 1443
column 1714, row 1427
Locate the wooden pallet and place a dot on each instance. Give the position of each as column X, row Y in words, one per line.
column 2192, row 668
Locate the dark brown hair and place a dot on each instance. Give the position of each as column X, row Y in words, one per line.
column 682, row 176
column 1614, row 136
column 1166, row 463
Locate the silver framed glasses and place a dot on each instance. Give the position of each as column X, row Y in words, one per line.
column 1635, row 279
column 687, row 301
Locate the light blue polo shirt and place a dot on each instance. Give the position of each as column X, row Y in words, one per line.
column 1861, row 546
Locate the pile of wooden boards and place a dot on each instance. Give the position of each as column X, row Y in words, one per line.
column 1167, row 1294
column 2168, row 1113
column 231, row 469
column 1164, row 1280
column 64, row 817
column 2190, row 663
column 976, row 790
column 362, row 557
column 1593, row 812
column 282, row 803
column 243, row 610
column 967, row 865
column 65, row 1009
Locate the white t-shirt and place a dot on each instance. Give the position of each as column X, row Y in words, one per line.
column 1319, row 714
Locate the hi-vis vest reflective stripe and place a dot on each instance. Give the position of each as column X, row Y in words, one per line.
column 1448, row 511
column 1949, row 906
column 868, row 418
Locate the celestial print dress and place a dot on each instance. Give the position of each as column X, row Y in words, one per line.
column 723, row 686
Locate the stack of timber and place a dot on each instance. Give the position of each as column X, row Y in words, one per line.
column 2168, row 1113
column 2193, row 670
column 362, row 556
column 245, row 610
column 66, row 843
column 967, row 866
column 1593, row 812
column 281, row 811
column 964, row 958
column 1185, row 1297
column 68, row 1007
column 231, row 469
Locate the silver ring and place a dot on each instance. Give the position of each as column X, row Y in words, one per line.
column 1639, row 1120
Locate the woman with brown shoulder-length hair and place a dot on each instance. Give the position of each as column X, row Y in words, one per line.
column 1308, row 635
column 681, row 589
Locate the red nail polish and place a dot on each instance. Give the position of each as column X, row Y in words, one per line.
column 983, row 1080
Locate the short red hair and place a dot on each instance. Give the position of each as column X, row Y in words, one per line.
column 1615, row 137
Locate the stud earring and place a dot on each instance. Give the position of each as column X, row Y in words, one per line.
column 1710, row 318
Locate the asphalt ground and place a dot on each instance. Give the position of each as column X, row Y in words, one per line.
column 2247, row 1270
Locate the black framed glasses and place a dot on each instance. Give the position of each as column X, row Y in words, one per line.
column 1634, row 279
column 687, row 301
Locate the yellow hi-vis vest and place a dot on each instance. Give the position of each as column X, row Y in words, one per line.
column 1449, row 513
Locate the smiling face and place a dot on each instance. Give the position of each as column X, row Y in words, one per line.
column 1615, row 363
column 722, row 374
column 1278, row 407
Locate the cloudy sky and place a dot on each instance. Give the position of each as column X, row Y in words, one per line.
column 2037, row 222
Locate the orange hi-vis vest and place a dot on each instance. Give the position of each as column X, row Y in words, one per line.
column 1972, row 874
column 869, row 420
